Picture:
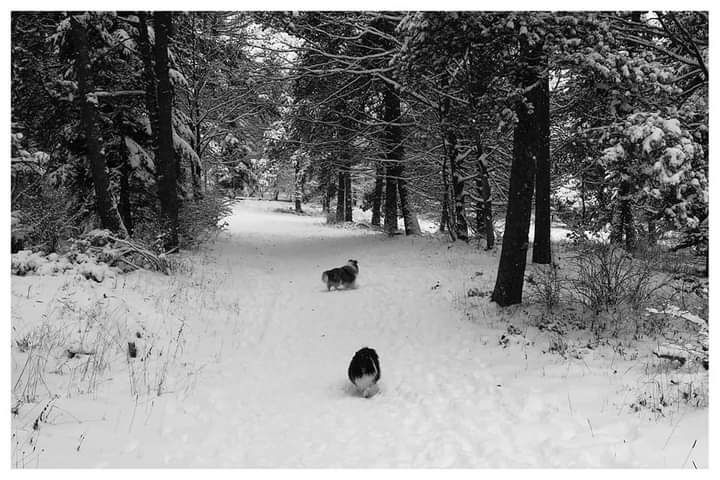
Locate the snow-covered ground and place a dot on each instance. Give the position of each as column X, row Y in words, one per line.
column 250, row 353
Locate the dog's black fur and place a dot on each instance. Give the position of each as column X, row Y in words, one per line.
column 364, row 370
column 344, row 275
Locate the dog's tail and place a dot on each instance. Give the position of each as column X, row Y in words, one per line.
column 325, row 277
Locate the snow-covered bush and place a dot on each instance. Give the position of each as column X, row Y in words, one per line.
column 44, row 211
column 96, row 255
column 26, row 261
column 546, row 285
column 663, row 164
column 609, row 278
column 202, row 218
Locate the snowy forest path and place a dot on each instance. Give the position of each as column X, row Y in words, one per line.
column 298, row 338
column 260, row 379
column 449, row 394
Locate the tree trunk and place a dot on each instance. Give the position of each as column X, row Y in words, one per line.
column 582, row 197
column 412, row 226
column 458, row 190
column 623, row 225
column 541, row 244
column 124, row 207
column 377, row 195
column 340, row 208
column 527, row 143
column 298, row 184
column 148, row 78
column 393, row 153
column 330, row 191
column 652, row 236
column 104, row 203
column 391, row 225
column 457, row 221
column 166, row 162
column 348, row 197
column 628, row 222
column 484, row 216
column 446, row 219
column 444, row 212
column 395, row 170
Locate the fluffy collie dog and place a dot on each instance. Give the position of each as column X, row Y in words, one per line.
column 344, row 275
column 364, row 371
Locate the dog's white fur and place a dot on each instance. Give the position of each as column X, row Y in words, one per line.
column 367, row 385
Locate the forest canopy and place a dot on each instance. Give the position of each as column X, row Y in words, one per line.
column 147, row 123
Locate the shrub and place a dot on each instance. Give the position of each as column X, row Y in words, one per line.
column 609, row 277
column 546, row 285
column 201, row 218
column 198, row 220
column 47, row 219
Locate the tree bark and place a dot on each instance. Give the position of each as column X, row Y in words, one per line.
column 412, row 225
column 458, row 187
column 484, row 215
column 527, row 142
column 378, row 195
column 166, row 162
column 582, row 197
column 393, row 153
column 446, row 221
column 391, row 201
column 340, row 208
column 541, row 244
column 298, row 184
column 329, row 192
column 395, row 170
column 148, row 78
column 457, row 221
column 104, row 203
column 444, row 212
column 623, row 228
column 652, row 236
column 628, row 221
column 124, row 207
column 348, row 197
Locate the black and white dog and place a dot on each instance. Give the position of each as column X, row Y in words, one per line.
column 344, row 275
column 364, row 371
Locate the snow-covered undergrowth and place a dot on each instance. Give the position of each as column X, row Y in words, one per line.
column 241, row 360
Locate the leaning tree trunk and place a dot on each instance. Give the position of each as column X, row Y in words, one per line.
column 541, row 244
column 484, row 206
column 377, row 195
column 348, row 197
column 340, row 208
column 527, row 143
column 104, row 203
column 166, row 162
